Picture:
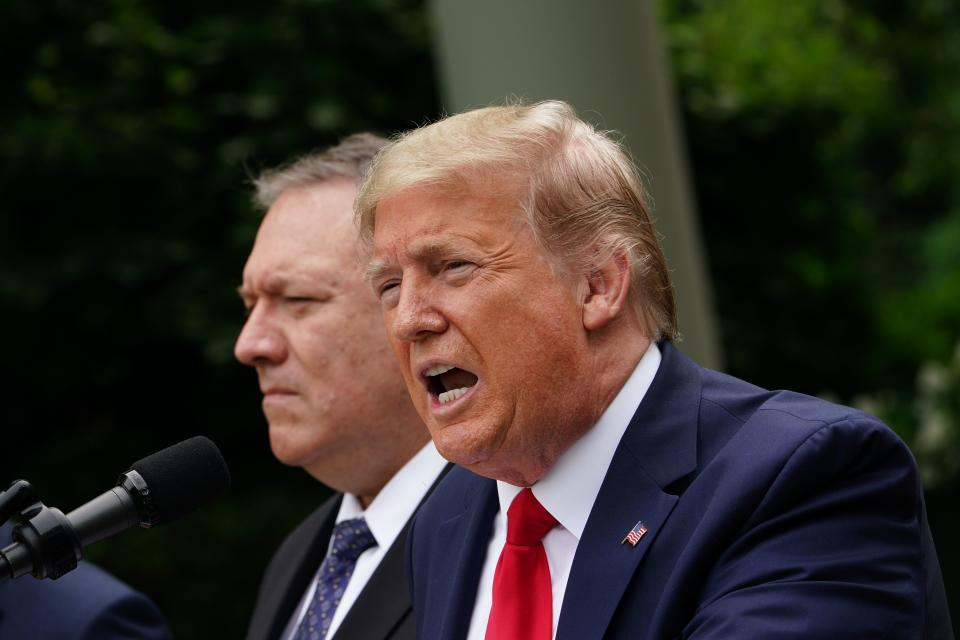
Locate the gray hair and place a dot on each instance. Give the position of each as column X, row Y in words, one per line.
column 350, row 159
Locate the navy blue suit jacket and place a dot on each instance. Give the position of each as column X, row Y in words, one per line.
column 770, row 515
column 85, row 604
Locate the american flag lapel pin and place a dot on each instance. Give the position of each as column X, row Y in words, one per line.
column 634, row 535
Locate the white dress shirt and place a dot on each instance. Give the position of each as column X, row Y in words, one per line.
column 568, row 492
column 386, row 516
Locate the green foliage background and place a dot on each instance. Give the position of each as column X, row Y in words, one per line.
column 128, row 131
column 823, row 136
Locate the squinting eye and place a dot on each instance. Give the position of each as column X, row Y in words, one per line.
column 389, row 294
column 386, row 287
column 457, row 265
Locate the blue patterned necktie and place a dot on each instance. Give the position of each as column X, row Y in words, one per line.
column 350, row 539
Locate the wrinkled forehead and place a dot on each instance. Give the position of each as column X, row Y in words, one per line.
column 425, row 222
column 453, row 183
column 432, row 208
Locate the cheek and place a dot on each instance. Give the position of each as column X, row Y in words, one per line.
column 546, row 351
column 339, row 345
column 537, row 326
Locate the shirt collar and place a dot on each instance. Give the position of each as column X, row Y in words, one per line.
column 398, row 499
column 569, row 489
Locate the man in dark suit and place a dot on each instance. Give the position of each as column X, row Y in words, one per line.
column 85, row 604
column 336, row 406
column 609, row 487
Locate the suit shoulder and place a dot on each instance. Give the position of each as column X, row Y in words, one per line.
column 794, row 446
column 779, row 438
column 789, row 413
column 824, row 428
column 812, row 409
column 90, row 603
column 126, row 614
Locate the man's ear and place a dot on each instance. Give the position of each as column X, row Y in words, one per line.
column 606, row 292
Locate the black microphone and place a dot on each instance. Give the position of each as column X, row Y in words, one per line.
column 155, row 490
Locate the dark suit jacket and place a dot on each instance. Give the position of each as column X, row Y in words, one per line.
column 381, row 612
column 85, row 604
column 769, row 515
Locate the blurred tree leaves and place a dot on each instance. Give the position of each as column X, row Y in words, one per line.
column 129, row 130
column 825, row 137
column 927, row 416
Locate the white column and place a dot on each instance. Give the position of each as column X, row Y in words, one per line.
column 606, row 58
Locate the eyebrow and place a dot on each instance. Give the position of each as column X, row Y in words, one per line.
column 376, row 269
column 419, row 250
column 271, row 284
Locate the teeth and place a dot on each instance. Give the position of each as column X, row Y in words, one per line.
column 450, row 396
column 437, row 369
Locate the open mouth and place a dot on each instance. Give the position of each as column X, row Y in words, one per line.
column 446, row 383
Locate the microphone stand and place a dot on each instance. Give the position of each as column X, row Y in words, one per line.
column 49, row 546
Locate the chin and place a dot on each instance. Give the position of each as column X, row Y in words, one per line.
column 285, row 454
column 461, row 445
column 288, row 446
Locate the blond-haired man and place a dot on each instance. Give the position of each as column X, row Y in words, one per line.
column 608, row 486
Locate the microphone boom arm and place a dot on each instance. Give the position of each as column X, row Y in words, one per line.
column 44, row 541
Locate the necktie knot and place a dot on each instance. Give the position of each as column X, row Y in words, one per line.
column 522, row 589
column 350, row 539
column 527, row 520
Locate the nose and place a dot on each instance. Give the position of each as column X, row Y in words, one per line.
column 416, row 315
column 260, row 342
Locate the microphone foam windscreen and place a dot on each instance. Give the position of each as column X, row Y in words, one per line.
column 183, row 477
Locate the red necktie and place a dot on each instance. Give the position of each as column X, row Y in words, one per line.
column 522, row 596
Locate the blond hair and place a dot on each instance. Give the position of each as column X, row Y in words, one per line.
column 576, row 187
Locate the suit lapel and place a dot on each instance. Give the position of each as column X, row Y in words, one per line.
column 658, row 448
column 385, row 599
column 465, row 538
column 304, row 553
